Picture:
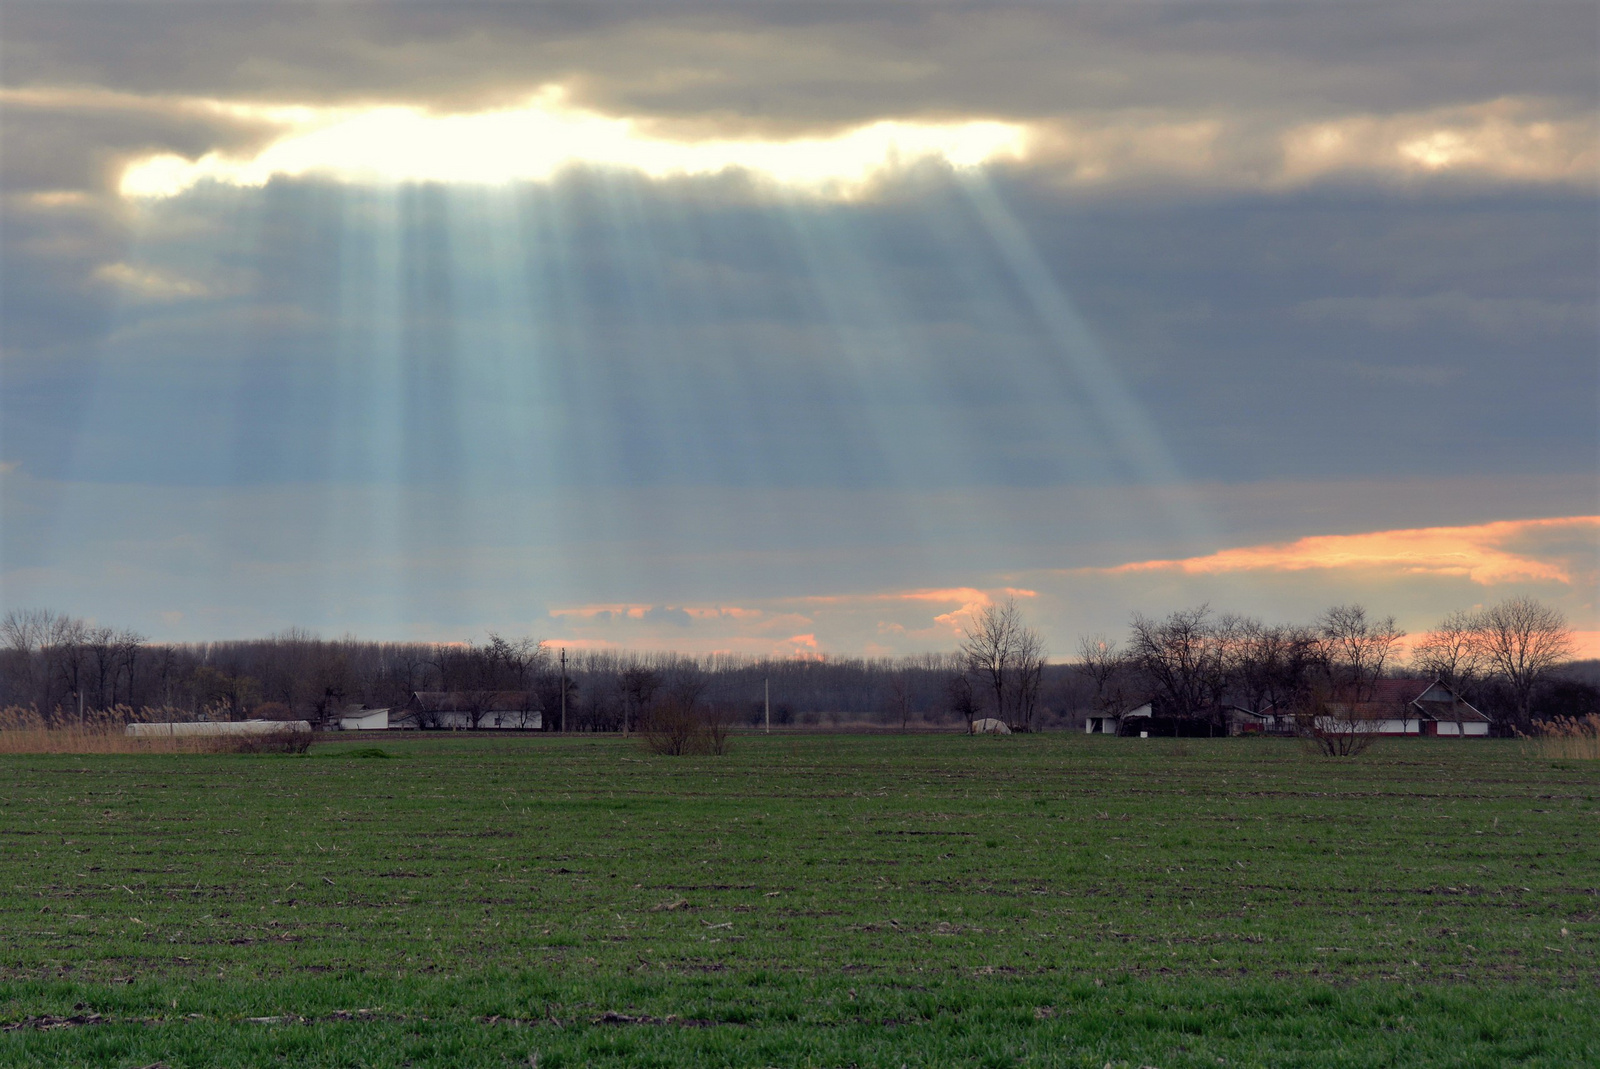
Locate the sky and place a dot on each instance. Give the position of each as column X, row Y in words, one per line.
column 795, row 329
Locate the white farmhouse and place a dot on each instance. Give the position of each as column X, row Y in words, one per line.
column 1415, row 707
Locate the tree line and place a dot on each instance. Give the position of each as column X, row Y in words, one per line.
column 58, row 667
column 1506, row 660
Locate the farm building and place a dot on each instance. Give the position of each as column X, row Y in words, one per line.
column 1414, row 707
column 1388, row 707
column 1148, row 719
column 1113, row 724
column 990, row 726
column 457, row 710
column 1271, row 720
column 360, row 718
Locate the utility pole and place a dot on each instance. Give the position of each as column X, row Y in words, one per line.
column 563, row 690
column 766, row 688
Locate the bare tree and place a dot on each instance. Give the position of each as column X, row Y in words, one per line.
column 962, row 700
column 24, row 633
column 900, row 697
column 1028, row 656
column 638, row 684
column 1452, row 652
column 1272, row 664
column 1007, row 657
column 129, row 645
column 101, row 647
column 516, row 661
column 66, row 652
column 1522, row 639
column 1108, row 672
column 331, row 680
column 1185, row 658
column 1356, row 649
column 988, row 648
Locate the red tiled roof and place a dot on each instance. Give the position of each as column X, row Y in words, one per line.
column 1398, row 690
column 1386, row 694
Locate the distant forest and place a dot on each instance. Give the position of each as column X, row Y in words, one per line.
column 58, row 668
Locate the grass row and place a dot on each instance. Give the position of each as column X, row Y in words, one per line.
column 833, row 900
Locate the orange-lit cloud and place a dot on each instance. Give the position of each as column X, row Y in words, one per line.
column 966, row 603
column 1487, row 554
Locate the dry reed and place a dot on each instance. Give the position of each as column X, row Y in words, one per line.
column 24, row 731
column 1568, row 738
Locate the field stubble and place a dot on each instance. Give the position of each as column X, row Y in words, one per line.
column 1050, row 900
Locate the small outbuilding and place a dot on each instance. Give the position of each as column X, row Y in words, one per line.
column 1112, row 724
column 1271, row 719
column 358, row 718
column 990, row 726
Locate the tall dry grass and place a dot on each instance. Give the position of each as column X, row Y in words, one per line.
column 1568, row 737
column 24, row 731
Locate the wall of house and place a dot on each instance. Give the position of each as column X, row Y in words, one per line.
column 1399, row 727
column 1469, row 728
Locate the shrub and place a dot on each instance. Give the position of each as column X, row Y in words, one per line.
column 679, row 725
column 275, row 742
column 1334, row 728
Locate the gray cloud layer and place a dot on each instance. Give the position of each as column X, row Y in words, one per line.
column 693, row 340
column 1107, row 71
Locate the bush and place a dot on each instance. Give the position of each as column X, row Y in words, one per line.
column 675, row 727
column 275, row 742
column 1333, row 728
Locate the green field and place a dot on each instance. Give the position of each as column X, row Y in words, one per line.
column 821, row 900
